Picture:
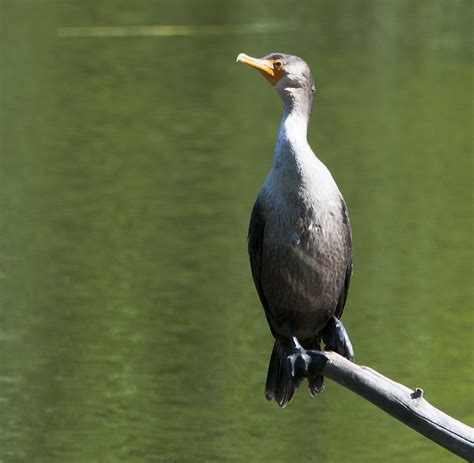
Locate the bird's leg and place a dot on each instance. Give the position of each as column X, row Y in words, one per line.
column 298, row 361
column 335, row 338
column 301, row 364
column 297, row 347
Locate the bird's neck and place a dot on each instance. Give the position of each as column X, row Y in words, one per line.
column 292, row 141
column 294, row 124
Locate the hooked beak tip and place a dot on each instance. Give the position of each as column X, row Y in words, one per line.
column 241, row 57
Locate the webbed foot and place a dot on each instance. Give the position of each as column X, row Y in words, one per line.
column 301, row 364
column 335, row 338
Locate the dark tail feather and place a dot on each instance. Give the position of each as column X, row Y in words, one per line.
column 280, row 386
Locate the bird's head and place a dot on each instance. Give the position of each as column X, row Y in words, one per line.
column 289, row 75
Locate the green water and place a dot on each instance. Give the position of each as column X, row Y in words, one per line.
column 130, row 329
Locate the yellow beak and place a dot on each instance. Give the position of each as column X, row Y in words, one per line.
column 264, row 66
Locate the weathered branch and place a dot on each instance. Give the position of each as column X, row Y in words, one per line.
column 396, row 399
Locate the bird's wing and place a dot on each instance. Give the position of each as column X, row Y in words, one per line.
column 255, row 247
column 348, row 241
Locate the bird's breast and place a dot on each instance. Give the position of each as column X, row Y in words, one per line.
column 304, row 253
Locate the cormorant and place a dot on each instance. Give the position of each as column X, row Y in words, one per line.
column 299, row 237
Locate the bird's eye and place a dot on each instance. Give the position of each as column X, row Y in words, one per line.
column 277, row 64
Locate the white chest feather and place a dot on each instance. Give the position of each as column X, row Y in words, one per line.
column 298, row 178
column 300, row 194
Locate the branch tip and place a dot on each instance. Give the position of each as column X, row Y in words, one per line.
column 417, row 393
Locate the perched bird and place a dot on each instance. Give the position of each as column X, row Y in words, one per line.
column 299, row 237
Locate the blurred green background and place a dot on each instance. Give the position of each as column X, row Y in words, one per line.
column 130, row 329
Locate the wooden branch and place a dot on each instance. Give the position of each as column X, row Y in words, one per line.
column 396, row 399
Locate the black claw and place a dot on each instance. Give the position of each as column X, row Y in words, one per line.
column 335, row 338
column 316, row 385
